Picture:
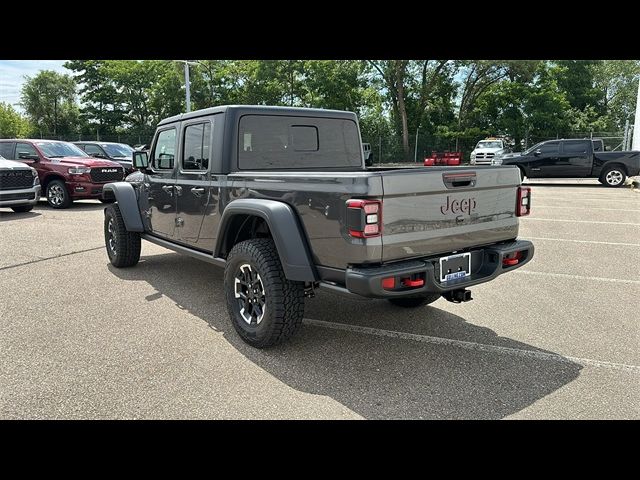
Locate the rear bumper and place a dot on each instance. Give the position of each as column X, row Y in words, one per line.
column 486, row 264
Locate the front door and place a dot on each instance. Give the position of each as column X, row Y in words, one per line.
column 545, row 163
column 161, row 182
column 193, row 185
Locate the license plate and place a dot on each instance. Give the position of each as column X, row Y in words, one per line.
column 454, row 267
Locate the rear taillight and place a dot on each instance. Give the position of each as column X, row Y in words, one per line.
column 364, row 218
column 523, row 204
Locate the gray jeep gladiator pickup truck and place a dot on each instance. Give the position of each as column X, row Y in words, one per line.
column 281, row 198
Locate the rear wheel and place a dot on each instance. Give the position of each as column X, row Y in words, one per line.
column 57, row 194
column 614, row 176
column 413, row 302
column 123, row 247
column 22, row 208
column 265, row 307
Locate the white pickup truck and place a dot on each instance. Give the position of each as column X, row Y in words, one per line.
column 489, row 152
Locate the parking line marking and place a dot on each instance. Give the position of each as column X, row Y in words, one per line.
column 537, row 205
column 592, row 199
column 49, row 258
column 482, row 347
column 584, row 241
column 578, row 277
column 579, row 221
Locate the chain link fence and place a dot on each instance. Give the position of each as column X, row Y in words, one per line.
column 389, row 149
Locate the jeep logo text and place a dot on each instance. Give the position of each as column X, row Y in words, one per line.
column 109, row 170
column 467, row 205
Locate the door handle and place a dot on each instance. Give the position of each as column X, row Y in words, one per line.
column 197, row 191
column 168, row 189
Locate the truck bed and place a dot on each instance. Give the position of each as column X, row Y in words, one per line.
column 422, row 215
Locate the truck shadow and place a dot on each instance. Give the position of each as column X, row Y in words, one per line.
column 7, row 215
column 374, row 376
column 83, row 205
column 567, row 185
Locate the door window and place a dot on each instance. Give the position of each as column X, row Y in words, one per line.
column 195, row 156
column 25, row 150
column 6, row 150
column 93, row 150
column 575, row 147
column 164, row 152
column 550, row 148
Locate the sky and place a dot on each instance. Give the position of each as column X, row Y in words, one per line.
column 12, row 74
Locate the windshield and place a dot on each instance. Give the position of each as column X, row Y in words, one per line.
column 535, row 147
column 60, row 149
column 489, row 144
column 117, row 150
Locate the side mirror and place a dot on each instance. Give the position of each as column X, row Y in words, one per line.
column 28, row 156
column 537, row 152
column 140, row 160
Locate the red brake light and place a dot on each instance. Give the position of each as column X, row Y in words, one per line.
column 523, row 201
column 364, row 218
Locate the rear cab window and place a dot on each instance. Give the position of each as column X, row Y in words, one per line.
column 294, row 142
column 579, row 147
column 6, row 150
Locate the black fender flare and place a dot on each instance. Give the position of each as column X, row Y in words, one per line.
column 286, row 232
column 125, row 195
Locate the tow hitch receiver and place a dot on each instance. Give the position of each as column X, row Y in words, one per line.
column 458, row 296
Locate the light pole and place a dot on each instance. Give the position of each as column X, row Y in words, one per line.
column 636, row 124
column 187, row 81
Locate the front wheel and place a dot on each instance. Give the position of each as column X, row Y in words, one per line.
column 22, row 208
column 414, row 302
column 123, row 247
column 265, row 308
column 57, row 194
column 614, row 177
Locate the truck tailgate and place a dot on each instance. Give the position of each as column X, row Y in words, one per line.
column 439, row 210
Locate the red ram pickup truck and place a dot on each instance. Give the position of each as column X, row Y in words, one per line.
column 66, row 172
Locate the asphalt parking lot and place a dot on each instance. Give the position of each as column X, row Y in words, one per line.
column 559, row 338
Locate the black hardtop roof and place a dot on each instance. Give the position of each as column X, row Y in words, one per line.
column 260, row 109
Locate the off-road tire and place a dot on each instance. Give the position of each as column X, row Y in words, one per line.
column 414, row 302
column 283, row 299
column 125, row 250
column 22, row 208
column 61, row 198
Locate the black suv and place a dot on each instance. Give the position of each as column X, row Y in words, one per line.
column 116, row 152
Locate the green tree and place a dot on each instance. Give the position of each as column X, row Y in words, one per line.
column 102, row 108
column 618, row 82
column 402, row 80
column 12, row 124
column 49, row 101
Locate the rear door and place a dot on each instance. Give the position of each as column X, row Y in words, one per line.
column 161, row 181
column 193, row 182
column 575, row 159
column 440, row 210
